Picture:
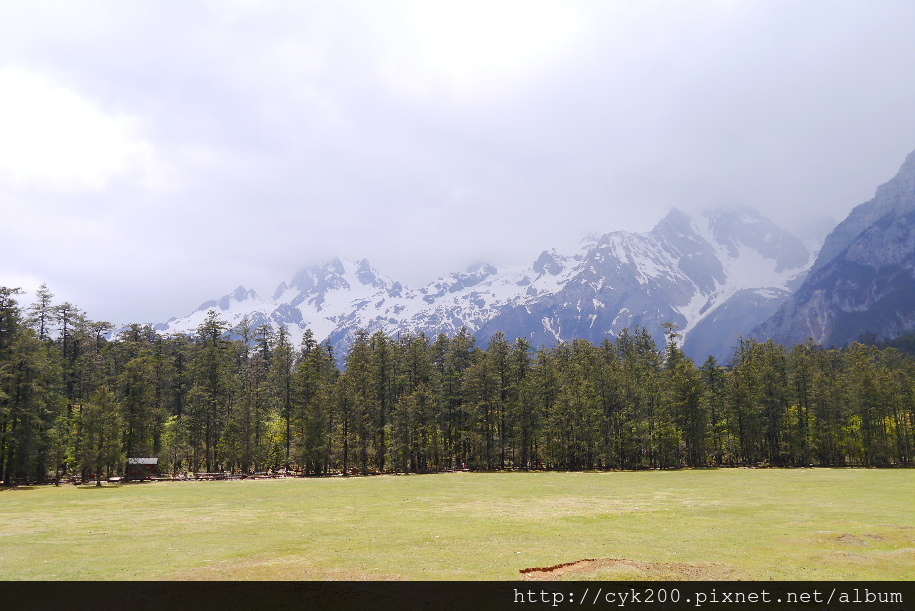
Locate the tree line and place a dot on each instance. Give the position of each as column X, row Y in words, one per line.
column 73, row 402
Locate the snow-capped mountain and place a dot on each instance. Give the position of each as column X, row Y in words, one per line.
column 731, row 266
column 716, row 276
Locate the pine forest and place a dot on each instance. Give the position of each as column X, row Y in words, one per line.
column 74, row 404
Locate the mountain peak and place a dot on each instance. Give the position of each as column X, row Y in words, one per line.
column 367, row 274
column 898, row 194
column 676, row 216
column 678, row 272
column 481, row 268
column 547, row 263
column 675, row 222
column 241, row 294
column 224, row 303
column 738, row 227
column 894, row 197
column 863, row 279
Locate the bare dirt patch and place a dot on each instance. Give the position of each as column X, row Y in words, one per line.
column 850, row 539
column 650, row 570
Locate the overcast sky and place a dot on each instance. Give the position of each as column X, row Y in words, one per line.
column 154, row 155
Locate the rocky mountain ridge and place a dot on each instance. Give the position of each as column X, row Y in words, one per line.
column 863, row 281
column 715, row 276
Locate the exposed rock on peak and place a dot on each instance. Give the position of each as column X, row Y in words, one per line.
column 367, row 275
column 683, row 271
column 863, row 281
column 546, row 263
column 894, row 197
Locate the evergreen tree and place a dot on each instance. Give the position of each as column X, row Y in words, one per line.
column 499, row 354
column 281, row 387
column 41, row 313
column 521, row 403
column 685, row 405
column 452, row 357
column 641, row 366
column 29, row 407
column 210, row 399
column 314, row 400
column 102, row 422
column 802, row 364
column 357, row 418
column 72, row 399
column 381, row 395
column 479, row 422
column 714, row 380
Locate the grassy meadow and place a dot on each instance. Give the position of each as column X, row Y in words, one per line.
column 693, row 524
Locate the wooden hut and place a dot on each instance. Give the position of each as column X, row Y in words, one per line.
column 142, row 468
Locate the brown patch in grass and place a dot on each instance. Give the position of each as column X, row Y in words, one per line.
column 556, row 567
column 850, row 539
column 650, row 570
column 876, row 537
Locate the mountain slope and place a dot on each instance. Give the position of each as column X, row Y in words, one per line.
column 725, row 265
column 863, row 281
column 684, row 271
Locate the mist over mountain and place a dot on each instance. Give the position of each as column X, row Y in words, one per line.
column 863, row 281
column 716, row 275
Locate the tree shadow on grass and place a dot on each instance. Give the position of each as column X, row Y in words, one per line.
column 112, row 485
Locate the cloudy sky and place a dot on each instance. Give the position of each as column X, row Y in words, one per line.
column 154, row 155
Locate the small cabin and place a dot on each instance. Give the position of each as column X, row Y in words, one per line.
column 142, row 468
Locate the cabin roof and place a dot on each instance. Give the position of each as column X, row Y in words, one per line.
column 142, row 461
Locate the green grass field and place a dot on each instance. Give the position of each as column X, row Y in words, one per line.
column 702, row 524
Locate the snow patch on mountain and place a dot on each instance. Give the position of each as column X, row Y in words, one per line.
column 683, row 270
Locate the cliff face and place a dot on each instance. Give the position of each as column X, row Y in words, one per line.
column 892, row 198
column 863, row 281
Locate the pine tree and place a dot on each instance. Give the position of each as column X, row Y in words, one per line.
column 457, row 358
column 382, row 394
column 137, row 384
column 721, row 440
column 685, row 405
column 616, row 418
column 357, row 418
column 829, row 410
column 30, row 404
column 574, row 432
column 499, row 354
column 210, row 398
column 480, row 394
column 280, row 380
column 641, row 366
column 521, row 403
column 802, row 362
column 41, row 313
column 102, row 422
column 314, row 399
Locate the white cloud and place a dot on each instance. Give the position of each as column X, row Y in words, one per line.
column 51, row 136
column 155, row 155
column 469, row 49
